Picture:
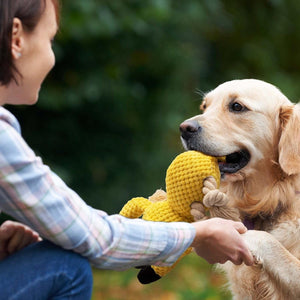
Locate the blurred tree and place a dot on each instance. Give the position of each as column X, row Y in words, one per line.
column 127, row 73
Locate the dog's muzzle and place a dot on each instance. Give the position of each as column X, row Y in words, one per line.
column 191, row 136
column 190, row 130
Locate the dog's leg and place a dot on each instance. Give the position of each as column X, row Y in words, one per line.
column 282, row 267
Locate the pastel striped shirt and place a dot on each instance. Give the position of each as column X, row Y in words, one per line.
column 34, row 195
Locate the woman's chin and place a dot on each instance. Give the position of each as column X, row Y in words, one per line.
column 34, row 98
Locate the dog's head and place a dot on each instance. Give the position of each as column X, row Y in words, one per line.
column 251, row 123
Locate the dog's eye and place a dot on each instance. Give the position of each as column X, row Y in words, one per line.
column 237, row 107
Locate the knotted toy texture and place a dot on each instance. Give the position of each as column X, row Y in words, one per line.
column 190, row 177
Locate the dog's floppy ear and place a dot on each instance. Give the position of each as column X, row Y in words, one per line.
column 289, row 143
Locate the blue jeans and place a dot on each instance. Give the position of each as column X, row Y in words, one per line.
column 44, row 271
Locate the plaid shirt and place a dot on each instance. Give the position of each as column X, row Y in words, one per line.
column 32, row 194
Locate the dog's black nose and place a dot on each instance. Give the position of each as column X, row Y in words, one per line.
column 189, row 128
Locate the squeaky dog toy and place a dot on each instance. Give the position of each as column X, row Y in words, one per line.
column 192, row 177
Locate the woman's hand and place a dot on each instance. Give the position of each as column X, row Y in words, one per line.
column 218, row 240
column 15, row 236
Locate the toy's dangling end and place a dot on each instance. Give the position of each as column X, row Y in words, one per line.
column 147, row 275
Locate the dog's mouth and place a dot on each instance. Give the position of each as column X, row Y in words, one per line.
column 234, row 162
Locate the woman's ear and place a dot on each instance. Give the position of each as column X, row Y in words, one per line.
column 17, row 40
column 289, row 143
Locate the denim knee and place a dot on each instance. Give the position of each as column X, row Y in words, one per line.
column 75, row 281
column 46, row 271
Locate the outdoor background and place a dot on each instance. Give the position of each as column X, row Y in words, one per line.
column 128, row 72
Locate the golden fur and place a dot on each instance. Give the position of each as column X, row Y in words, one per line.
column 267, row 189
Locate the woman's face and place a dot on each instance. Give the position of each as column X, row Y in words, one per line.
column 36, row 60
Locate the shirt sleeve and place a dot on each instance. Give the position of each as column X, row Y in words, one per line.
column 31, row 193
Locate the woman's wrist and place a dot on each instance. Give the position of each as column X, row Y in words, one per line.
column 200, row 232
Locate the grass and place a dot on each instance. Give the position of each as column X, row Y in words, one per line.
column 192, row 279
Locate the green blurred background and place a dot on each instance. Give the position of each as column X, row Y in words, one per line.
column 128, row 72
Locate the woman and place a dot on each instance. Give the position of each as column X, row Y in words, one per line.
column 32, row 194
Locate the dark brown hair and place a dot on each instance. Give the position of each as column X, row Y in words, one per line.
column 29, row 12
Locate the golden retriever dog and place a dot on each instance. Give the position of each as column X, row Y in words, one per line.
column 257, row 128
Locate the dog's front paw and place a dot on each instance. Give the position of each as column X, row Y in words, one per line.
column 259, row 243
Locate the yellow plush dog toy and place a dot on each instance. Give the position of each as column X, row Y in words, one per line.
column 191, row 177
